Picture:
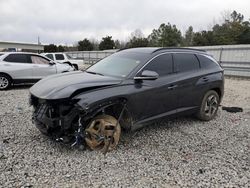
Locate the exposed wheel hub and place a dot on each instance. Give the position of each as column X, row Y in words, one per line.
column 103, row 133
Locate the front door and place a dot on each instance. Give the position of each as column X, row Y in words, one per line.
column 42, row 67
column 154, row 98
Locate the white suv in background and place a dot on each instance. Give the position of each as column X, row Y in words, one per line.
column 20, row 67
column 64, row 58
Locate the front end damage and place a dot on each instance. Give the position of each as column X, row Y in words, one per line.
column 64, row 120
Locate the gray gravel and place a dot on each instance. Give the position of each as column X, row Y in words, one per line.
column 180, row 153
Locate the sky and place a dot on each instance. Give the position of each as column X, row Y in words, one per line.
column 68, row 21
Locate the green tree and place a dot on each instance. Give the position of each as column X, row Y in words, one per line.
column 137, row 42
column 107, row 43
column 244, row 37
column 60, row 48
column 231, row 30
column 165, row 35
column 85, row 45
column 137, row 39
column 203, row 38
column 189, row 37
column 50, row 48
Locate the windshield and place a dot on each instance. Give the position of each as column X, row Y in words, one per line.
column 119, row 64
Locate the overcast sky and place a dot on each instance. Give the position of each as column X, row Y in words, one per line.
column 67, row 21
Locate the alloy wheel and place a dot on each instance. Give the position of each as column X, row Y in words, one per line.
column 103, row 133
column 4, row 82
column 211, row 105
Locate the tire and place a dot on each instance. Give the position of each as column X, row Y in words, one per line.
column 209, row 106
column 5, row 81
column 42, row 128
column 75, row 66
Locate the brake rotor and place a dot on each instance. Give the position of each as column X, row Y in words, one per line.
column 103, row 133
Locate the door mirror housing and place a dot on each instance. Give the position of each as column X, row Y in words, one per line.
column 147, row 75
column 52, row 63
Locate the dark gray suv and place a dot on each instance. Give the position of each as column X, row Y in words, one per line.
column 127, row 90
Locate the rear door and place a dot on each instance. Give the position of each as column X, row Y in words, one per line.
column 42, row 67
column 18, row 66
column 187, row 67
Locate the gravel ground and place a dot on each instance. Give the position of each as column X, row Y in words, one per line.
column 180, row 153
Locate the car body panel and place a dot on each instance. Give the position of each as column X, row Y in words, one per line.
column 52, row 87
column 146, row 100
column 29, row 72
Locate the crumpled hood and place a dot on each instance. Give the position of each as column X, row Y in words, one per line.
column 62, row 86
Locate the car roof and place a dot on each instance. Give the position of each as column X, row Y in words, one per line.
column 152, row 50
column 29, row 53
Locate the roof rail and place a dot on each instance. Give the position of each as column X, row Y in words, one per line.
column 175, row 48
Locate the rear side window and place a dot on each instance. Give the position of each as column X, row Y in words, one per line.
column 206, row 62
column 186, row 62
column 17, row 58
column 39, row 60
column 162, row 64
column 59, row 56
column 50, row 56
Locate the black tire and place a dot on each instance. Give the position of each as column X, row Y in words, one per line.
column 5, row 81
column 75, row 66
column 209, row 106
column 42, row 128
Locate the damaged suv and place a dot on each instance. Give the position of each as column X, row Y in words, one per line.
column 126, row 90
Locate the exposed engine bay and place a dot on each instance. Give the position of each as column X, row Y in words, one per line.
column 65, row 121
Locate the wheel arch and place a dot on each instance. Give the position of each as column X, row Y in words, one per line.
column 7, row 75
column 113, row 107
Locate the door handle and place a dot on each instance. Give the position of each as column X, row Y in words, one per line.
column 172, row 86
column 205, row 79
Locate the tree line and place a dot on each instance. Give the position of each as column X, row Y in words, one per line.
column 234, row 29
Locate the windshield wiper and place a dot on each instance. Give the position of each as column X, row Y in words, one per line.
column 91, row 72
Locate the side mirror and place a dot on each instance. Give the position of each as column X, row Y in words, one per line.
column 147, row 75
column 52, row 63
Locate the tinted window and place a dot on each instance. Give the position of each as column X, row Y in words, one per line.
column 59, row 57
column 206, row 62
column 119, row 64
column 162, row 64
column 39, row 60
column 17, row 58
column 186, row 62
column 50, row 56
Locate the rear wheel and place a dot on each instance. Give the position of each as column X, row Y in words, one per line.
column 103, row 133
column 209, row 106
column 5, row 81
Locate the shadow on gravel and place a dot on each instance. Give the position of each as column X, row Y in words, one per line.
column 21, row 86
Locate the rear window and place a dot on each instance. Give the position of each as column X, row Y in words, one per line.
column 186, row 62
column 50, row 56
column 17, row 58
column 59, row 56
column 206, row 62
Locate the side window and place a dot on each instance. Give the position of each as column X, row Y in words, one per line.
column 17, row 58
column 162, row 64
column 50, row 56
column 39, row 60
column 206, row 62
column 186, row 62
column 59, row 56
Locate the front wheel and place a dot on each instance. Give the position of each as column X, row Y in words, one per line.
column 5, row 81
column 209, row 106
